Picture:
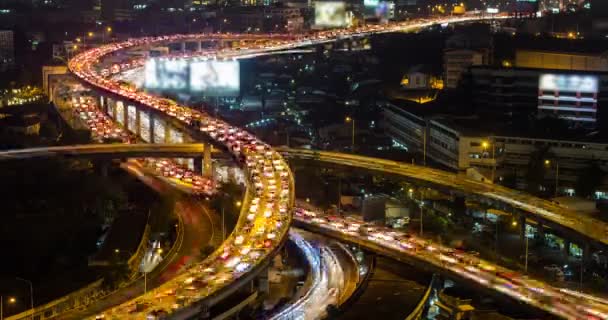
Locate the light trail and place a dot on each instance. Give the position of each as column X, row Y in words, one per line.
column 269, row 200
column 557, row 301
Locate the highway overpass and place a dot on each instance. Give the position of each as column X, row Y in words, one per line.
column 185, row 150
column 577, row 225
column 266, row 213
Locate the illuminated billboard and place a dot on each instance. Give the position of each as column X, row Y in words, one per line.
column 330, row 14
column 166, row 74
column 194, row 76
column 215, row 78
column 570, row 97
column 568, row 83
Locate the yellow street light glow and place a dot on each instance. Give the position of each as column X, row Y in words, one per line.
column 109, row 29
column 12, row 300
column 514, row 223
column 90, row 34
column 238, row 203
column 547, row 162
column 485, row 144
column 348, row 119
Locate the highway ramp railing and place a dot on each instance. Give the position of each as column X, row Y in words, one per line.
column 418, row 311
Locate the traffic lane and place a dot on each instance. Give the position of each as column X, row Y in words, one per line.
column 349, row 267
column 392, row 292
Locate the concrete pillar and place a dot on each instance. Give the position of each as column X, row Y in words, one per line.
column 566, row 247
column 541, row 232
column 103, row 104
column 151, row 117
column 198, row 165
column 263, row 286
column 137, row 129
column 111, row 108
column 167, row 133
column 586, row 252
column 125, row 115
column 199, row 46
column 521, row 223
column 183, row 46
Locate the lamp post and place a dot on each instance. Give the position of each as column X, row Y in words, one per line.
column 352, row 121
column 548, row 164
column 31, row 293
column 11, row 300
column 485, row 145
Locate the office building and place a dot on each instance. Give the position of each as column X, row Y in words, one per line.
column 7, row 50
column 463, row 143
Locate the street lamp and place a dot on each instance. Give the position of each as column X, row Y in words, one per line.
column 11, row 300
column 548, row 164
column 485, row 145
column 31, row 293
column 351, row 120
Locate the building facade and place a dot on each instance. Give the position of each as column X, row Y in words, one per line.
column 457, row 62
column 7, row 50
column 459, row 148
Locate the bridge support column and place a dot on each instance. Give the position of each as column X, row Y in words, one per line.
column 199, row 46
column 541, row 232
column 111, row 108
column 103, row 105
column 125, row 116
column 263, row 286
column 167, row 133
column 586, row 252
column 183, row 47
column 521, row 220
column 137, row 129
column 198, row 165
column 151, row 117
column 566, row 247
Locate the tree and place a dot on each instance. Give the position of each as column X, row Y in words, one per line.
column 589, row 179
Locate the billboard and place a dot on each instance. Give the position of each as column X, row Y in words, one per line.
column 330, row 14
column 215, row 78
column 193, row 76
column 568, row 83
column 166, row 74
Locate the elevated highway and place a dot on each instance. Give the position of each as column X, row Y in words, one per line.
column 467, row 268
column 118, row 150
column 269, row 199
column 540, row 210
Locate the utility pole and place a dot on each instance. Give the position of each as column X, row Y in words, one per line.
column 31, row 294
column 421, row 211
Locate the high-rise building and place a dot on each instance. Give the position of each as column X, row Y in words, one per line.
column 7, row 49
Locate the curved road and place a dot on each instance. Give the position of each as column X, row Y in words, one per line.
column 266, row 213
column 468, row 268
column 582, row 225
column 201, row 228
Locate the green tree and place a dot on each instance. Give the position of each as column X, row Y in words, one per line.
column 589, row 179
